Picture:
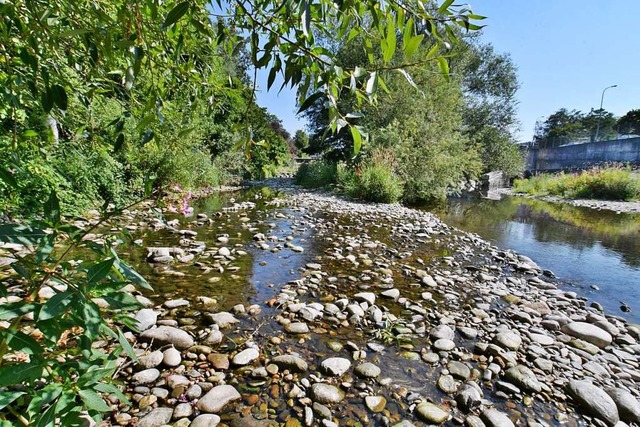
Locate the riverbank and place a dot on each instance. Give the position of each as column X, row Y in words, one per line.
column 289, row 307
column 616, row 206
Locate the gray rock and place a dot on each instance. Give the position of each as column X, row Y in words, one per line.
column 495, row 418
column 146, row 318
column 447, row 384
column 375, row 403
column 175, row 380
column 628, row 405
column 290, row 362
column 594, row 400
column 156, row 418
column 459, row 369
column 219, row 397
column 589, row 333
column 151, row 360
column 431, row 413
column 335, row 366
column 176, row 303
column 171, row 357
column 367, row 370
column 391, row 293
column 145, row 377
column 205, row 420
column 444, row 344
column 326, row 393
column 524, row 378
column 441, row 332
column 163, row 335
column 469, row 397
column 245, row 357
column 368, row 297
column 297, row 328
column 182, row 410
column 223, row 319
column 508, row 340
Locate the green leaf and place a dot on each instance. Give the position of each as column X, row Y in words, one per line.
column 147, row 136
column 94, row 375
column 372, row 83
column 93, row 401
column 45, row 247
column 305, row 18
column 443, row 8
column 112, row 389
column 12, row 310
column 413, row 45
column 19, row 341
column 175, row 14
column 357, row 139
column 309, row 101
column 119, row 142
column 92, row 318
column 8, row 178
column 131, row 275
column 122, row 300
column 59, row 95
column 126, row 346
column 390, row 42
column 7, row 397
column 56, row 305
column 20, row 233
column 444, row 66
column 47, row 100
column 43, row 397
column 47, row 419
column 100, row 270
column 16, row 374
column 52, row 209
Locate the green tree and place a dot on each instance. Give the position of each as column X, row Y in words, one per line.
column 301, row 140
column 629, row 124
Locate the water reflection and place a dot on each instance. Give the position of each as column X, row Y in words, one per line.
column 580, row 245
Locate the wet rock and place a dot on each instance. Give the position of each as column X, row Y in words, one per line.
column 367, row 370
column 375, row 403
column 163, row 335
column 297, row 328
column 494, row 418
column 444, row 344
column 176, row 303
column 156, row 418
column 146, row 318
column 205, row 420
column 447, row 384
column 469, row 397
column 219, row 361
column 628, row 405
column 290, row 362
column 524, row 378
column 459, row 369
column 246, row 356
column 594, row 401
column 335, row 366
column 171, row 357
column 431, row 413
column 326, row 393
column 589, row 333
column 223, row 319
column 145, row 377
column 219, row 397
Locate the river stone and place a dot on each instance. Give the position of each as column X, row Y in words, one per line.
column 246, row 356
column 219, row 397
column 146, row 318
column 219, row 361
column 367, row 370
column 325, row 393
column 447, row 384
column 290, row 362
column 594, row 401
column 375, row 403
column 297, row 328
column 391, row 293
column 524, row 378
column 182, row 410
column 171, row 357
column 176, row 303
column 176, row 380
column 163, row 335
column 205, row 420
column 223, row 251
column 628, row 406
column 469, row 397
column 432, row 413
column 444, row 344
column 151, row 360
column 467, row 332
column 223, row 319
column 156, row 418
column 459, row 369
column 542, row 339
column 336, row 366
column 145, row 377
column 368, row 297
column 508, row 340
column 441, row 332
column 589, row 333
column 495, row 418
column 404, row 423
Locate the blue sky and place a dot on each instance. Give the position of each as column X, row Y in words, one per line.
column 566, row 51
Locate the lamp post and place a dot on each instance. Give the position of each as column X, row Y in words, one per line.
column 600, row 116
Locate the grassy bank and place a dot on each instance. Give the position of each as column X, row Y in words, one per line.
column 612, row 183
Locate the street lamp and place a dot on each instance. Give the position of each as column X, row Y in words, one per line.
column 600, row 116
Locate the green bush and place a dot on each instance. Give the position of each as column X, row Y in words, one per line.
column 316, row 174
column 377, row 183
column 612, row 183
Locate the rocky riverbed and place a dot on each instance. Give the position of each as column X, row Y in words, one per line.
column 612, row 205
column 301, row 308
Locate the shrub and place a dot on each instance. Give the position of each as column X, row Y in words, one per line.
column 316, row 174
column 377, row 183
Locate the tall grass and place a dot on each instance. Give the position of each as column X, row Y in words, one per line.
column 316, row 174
column 611, row 183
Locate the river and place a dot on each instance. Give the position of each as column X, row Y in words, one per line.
column 595, row 253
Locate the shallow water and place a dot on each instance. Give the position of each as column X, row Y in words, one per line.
column 596, row 253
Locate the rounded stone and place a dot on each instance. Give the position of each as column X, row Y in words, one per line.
column 594, row 401
column 205, row 420
column 432, row 413
column 326, row 393
column 219, row 397
column 444, row 344
column 367, row 370
column 589, row 333
column 335, row 366
column 375, row 403
column 171, row 357
column 145, row 377
column 246, row 356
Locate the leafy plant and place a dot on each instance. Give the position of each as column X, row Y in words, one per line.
column 50, row 367
column 316, row 174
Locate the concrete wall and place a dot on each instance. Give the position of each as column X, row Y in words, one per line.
column 582, row 156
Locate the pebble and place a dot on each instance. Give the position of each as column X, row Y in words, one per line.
column 594, row 401
column 326, row 393
column 367, row 370
column 245, row 357
column 336, row 366
column 432, row 413
column 219, row 397
column 163, row 335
